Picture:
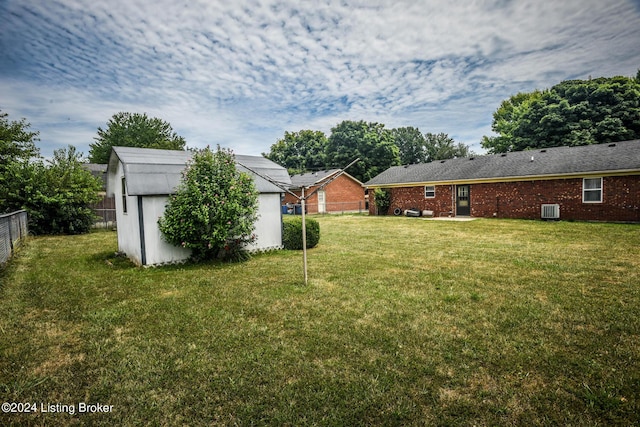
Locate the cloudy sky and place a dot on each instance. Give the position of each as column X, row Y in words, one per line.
column 240, row 73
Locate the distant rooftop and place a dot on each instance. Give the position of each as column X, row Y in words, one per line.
column 311, row 178
column 98, row 170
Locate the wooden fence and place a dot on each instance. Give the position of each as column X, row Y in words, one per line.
column 13, row 230
column 105, row 211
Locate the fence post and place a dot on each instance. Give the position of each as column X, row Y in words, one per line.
column 10, row 236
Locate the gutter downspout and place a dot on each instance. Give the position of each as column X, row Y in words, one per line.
column 143, row 249
column 453, row 200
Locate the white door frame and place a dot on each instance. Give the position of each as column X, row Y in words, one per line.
column 322, row 207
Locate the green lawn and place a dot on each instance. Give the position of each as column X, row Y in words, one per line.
column 404, row 322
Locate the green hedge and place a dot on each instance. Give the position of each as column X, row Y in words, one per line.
column 292, row 232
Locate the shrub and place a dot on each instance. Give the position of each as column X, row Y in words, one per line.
column 56, row 195
column 214, row 209
column 292, row 232
column 382, row 200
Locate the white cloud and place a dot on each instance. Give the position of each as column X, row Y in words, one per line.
column 241, row 73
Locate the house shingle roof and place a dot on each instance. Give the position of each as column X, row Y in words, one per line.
column 99, row 171
column 311, row 178
column 158, row 172
column 599, row 158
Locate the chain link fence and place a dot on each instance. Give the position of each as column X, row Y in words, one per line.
column 327, row 208
column 13, row 230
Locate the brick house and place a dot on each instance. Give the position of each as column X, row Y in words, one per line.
column 591, row 183
column 343, row 194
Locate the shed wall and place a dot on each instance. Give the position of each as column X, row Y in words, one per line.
column 158, row 251
column 128, row 231
column 268, row 227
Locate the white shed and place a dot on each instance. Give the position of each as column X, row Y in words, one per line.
column 141, row 179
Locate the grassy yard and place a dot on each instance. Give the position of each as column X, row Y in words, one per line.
column 404, row 322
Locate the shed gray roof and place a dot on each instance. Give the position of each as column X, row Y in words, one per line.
column 558, row 161
column 158, row 172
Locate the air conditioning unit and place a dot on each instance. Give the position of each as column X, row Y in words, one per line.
column 550, row 211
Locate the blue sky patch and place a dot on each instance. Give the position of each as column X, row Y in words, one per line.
column 241, row 73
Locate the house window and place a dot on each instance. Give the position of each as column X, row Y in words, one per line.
column 592, row 190
column 124, row 195
column 430, row 191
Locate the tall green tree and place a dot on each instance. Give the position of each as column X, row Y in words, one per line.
column 61, row 193
column 506, row 119
column 370, row 142
column 133, row 130
column 299, row 151
column 441, row 147
column 17, row 150
column 17, row 142
column 55, row 194
column 214, row 209
column 411, row 145
column 573, row 112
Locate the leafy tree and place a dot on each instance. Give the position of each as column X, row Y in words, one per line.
column 371, row 142
column 56, row 195
column 506, row 119
column 17, row 148
column 17, row 143
column 133, row 130
column 418, row 148
column 66, row 190
column 299, row 151
column 441, row 147
column 20, row 182
column 573, row 112
column 214, row 209
column 411, row 145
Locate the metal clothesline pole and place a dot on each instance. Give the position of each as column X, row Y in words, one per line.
column 302, row 198
column 304, row 238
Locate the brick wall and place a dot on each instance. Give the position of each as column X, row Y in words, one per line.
column 621, row 199
column 342, row 194
column 413, row 198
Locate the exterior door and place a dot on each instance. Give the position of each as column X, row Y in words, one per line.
column 321, row 202
column 463, row 200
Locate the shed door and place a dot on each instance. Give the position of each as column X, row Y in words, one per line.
column 463, row 200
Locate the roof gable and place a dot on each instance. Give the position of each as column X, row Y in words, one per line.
column 158, row 172
column 310, row 179
column 599, row 158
